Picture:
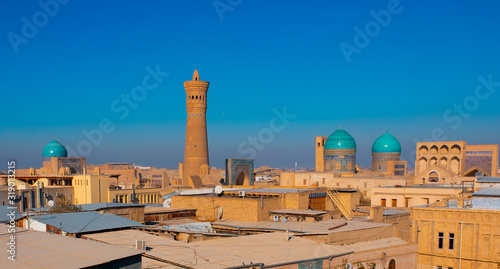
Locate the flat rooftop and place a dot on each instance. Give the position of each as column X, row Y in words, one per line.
column 165, row 210
column 388, row 212
column 427, row 186
column 268, row 190
column 284, row 190
column 488, row 180
column 320, row 227
column 362, row 175
column 487, row 192
column 269, row 248
column 98, row 206
column 45, row 250
column 299, row 212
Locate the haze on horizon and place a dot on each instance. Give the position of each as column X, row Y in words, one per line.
column 417, row 76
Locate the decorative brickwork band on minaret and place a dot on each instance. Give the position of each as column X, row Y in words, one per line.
column 196, row 152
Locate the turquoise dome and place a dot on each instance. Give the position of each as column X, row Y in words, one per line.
column 386, row 143
column 340, row 139
column 54, row 149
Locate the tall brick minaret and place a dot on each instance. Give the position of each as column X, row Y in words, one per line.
column 196, row 152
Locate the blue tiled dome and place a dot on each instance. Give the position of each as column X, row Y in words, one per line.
column 340, row 139
column 54, row 149
column 386, row 143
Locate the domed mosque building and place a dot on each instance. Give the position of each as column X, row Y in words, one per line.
column 337, row 154
column 56, row 161
column 340, row 153
column 386, row 154
column 385, row 148
column 54, row 149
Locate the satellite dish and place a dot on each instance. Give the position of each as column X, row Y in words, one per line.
column 218, row 189
column 167, row 203
column 50, row 203
column 219, row 213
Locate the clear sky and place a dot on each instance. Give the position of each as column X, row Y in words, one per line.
column 65, row 67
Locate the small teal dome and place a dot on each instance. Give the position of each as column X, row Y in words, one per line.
column 386, row 143
column 340, row 139
column 54, row 149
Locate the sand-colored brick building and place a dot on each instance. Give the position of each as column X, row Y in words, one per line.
column 455, row 234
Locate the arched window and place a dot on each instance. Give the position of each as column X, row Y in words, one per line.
column 433, row 161
column 444, row 150
column 455, row 149
column 444, row 162
column 197, row 97
column 392, row 264
column 455, row 165
column 422, row 164
column 423, row 150
column 433, row 176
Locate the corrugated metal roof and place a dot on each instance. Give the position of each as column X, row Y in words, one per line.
column 98, row 206
column 5, row 211
column 84, row 222
column 488, row 180
column 45, row 250
column 488, row 192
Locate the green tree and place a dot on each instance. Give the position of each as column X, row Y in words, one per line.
column 63, row 205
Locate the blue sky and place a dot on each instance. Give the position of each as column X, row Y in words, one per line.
column 258, row 56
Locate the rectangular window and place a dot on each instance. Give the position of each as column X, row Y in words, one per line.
column 399, row 173
column 407, row 202
column 440, row 267
column 394, row 202
column 440, row 240
column 451, row 241
column 383, row 202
